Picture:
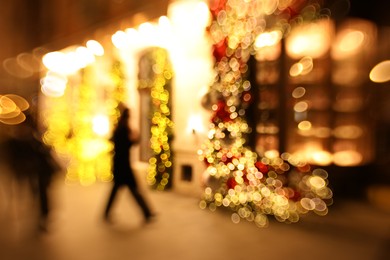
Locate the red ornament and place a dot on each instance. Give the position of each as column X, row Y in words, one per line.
column 263, row 168
column 219, row 50
column 222, row 113
column 246, row 97
column 295, row 196
column 216, row 6
column 226, row 159
column 231, row 183
column 245, row 177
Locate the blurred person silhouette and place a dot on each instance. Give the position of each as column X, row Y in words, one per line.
column 31, row 160
column 123, row 139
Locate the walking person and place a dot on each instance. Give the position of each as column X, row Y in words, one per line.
column 31, row 161
column 122, row 171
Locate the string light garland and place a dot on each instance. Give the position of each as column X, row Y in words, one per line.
column 236, row 178
column 159, row 82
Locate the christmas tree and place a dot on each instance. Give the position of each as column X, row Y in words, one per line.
column 236, row 177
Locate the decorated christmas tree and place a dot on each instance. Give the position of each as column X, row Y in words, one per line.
column 253, row 187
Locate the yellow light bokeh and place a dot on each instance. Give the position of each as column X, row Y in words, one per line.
column 11, row 109
column 380, row 73
column 311, row 39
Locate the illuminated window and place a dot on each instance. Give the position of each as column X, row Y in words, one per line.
column 312, row 98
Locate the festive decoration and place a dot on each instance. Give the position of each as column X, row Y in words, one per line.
column 236, row 177
column 74, row 131
column 118, row 78
column 156, row 76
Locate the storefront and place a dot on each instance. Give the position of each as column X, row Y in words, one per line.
column 160, row 69
column 299, row 91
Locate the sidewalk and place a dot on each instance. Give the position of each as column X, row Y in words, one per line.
column 183, row 231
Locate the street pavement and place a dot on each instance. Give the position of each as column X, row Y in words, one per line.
column 181, row 230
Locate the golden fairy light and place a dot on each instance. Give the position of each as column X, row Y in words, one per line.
column 74, row 129
column 381, row 72
column 11, row 109
column 160, row 164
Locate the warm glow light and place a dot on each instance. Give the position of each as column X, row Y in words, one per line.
column 164, row 22
column 301, row 106
column 321, row 158
column 348, row 132
column 11, row 107
column 195, row 124
column 303, row 67
column 146, row 29
column 101, row 125
column 317, row 182
column 95, row 47
column 189, row 18
column 268, row 39
column 322, row 132
column 298, row 92
column 53, row 84
column 7, row 105
column 132, row 34
column 304, row 125
column 351, row 41
column 269, row 6
column 314, row 153
column 267, row 45
column 296, row 69
column 54, row 61
column 133, row 37
column 91, row 148
column 19, row 101
column 17, row 118
column 309, row 40
column 68, row 62
column 347, row 158
column 348, row 42
column 84, row 56
column 119, row 39
column 271, row 154
column 202, row 13
column 381, row 72
column 355, row 38
column 149, row 34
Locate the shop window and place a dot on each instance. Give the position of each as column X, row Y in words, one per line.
column 311, row 98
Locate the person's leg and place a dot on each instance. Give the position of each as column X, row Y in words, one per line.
column 43, row 186
column 111, row 200
column 141, row 202
column 44, row 205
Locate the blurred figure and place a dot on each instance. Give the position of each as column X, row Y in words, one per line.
column 29, row 159
column 122, row 170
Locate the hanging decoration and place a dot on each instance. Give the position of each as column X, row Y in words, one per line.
column 156, row 75
column 236, row 178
